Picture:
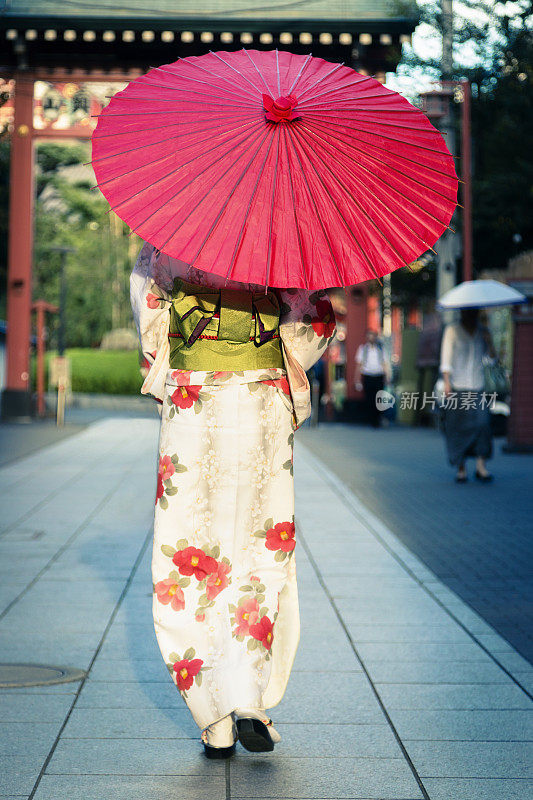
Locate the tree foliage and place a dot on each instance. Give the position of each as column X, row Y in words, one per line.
column 493, row 48
column 69, row 214
column 502, row 117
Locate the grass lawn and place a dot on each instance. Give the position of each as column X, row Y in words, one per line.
column 102, row 371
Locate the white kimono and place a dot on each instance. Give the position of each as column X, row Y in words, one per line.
column 225, row 596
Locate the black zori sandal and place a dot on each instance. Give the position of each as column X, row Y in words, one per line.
column 212, row 751
column 254, row 735
column 218, row 752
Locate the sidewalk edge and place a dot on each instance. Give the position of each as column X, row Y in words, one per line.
column 480, row 631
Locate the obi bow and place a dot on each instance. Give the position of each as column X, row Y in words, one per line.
column 194, row 306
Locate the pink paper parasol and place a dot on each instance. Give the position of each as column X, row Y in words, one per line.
column 274, row 168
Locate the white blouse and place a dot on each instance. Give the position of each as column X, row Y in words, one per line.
column 462, row 355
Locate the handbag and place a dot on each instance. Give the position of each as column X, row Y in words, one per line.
column 496, row 379
column 438, row 392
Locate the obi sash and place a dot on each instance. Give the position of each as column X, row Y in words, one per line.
column 223, row 329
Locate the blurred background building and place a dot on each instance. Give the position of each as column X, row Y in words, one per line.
column 57, row 69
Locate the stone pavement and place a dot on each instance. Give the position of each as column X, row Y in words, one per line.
column 475, row 537
column 400, row 691
column 18, row 439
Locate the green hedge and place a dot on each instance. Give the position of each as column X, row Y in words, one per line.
column 101, row 371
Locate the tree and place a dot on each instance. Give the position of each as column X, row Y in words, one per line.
column 502, row 117
column 69, row 214
column 494, row 50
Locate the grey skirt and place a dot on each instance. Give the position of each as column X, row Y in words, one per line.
column 467, row 428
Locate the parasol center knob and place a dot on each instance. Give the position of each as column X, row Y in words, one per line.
column 282, row 105
column 280, row 109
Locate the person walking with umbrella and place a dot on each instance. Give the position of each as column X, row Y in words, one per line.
column 466, row 418
column 257, row 180
column 228, row 363
column 466, row 350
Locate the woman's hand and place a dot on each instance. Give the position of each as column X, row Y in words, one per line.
column 447, row 385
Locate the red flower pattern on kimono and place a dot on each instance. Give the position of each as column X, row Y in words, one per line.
column 262, row 631
column 186, row 671
column 281, row 383
column 166, row 468
column 183, row 375
column 168, row 591
column 160, row 488
column 281, row 537
column 152, row 300
column 217, row 581
column 245, row 616
column 324, row 323
column 192, row 561
column 185, row 396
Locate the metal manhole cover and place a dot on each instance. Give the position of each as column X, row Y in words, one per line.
column 15, row 675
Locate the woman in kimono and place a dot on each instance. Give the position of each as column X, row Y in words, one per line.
column 227, row 365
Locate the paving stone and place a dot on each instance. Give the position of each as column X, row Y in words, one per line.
column 419, row 603
column 70, row 688
column 64, row 653
column 472, row 621
column 453, row 696
column 436, row 672
column 472, row 760
column 340, row 588
column 34, row 707
column 189, row 786
column 495, row 643
column 336, row 741
column 467, row 726
column 131, row 757
column 140, row 670
column 525, row 679
column 349, row 699
column 19, row 773
column 256, row 776
column 129, row 695
column 478, row 789
column 131, row 723
column 315, row 648
column 122, row 643
column 27, row 739
column 414, row 633
column 515, row 662
column 351, row 570
column 401, row 473
column 12, row 796
column 426, row 651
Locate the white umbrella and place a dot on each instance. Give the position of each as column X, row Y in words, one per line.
column 479, row 294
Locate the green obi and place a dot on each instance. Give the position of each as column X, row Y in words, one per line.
column 244, row 335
